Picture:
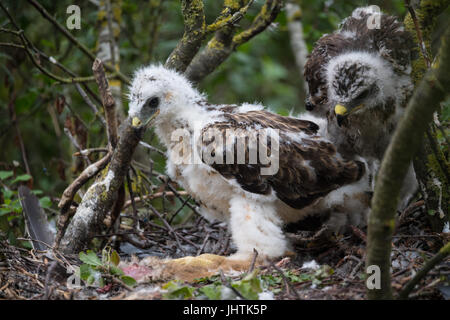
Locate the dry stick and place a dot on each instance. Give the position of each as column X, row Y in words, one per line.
column 179, row 209
column 90, row 103
column 130, row 190
column 171, row 229
column 168, row 226
column 422, row 46
column 76, row 145
column 226, row 282
column 72, row 189
column 252, row 264
column 86, row 152
column 443, row 252
column 199, row 252
column 286, row 281
column 108, row 101
column 102, row 195
column 154, row 196
column 177, row 194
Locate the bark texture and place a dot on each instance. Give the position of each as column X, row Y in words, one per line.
column 430, row 163
column 101, row 196
column 406, row 141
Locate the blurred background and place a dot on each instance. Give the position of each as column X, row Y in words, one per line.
column 35, row 109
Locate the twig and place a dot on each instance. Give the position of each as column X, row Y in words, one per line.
column 109, row 104
column 199, row 252
column 229, row 20
column 154, row 196
column 179, row 209
column 422, row 46
column 133, row 204
column 71, row 190
column 86, row 152
column 168, row 226
column 252, row 264
column 177, row 194
column 286, row 281
column 69, row 36
column 194, row 33
column 76, row 145
column 152, row 148
column 226, row 282
column 443, row 252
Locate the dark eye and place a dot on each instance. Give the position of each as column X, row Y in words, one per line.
column 363, row 95
column 152, row 103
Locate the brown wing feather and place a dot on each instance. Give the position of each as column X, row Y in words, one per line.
column 309, row 168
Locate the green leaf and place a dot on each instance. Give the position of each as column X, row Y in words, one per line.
column 5, row 174
column 90, row 258
column 91, row 279
column 129, row 281
column 85, row 271
column 115, row 270
column 249, row 287
column 212, row 292
column 4, row 211
column 23, row 177
column 8, row 194
column 176, row 291
column 45, row 202
column 115, row 259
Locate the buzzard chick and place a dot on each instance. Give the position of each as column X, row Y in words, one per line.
column 359, row 79
column 305, row 174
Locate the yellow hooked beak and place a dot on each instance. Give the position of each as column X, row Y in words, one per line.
column 340, row 110
column 136, row 122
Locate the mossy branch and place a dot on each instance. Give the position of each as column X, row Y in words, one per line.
column 194, row 33
column 406, row 141
column 430, row 164
column 225, row 41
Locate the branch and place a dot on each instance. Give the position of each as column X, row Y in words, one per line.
column 108, row 101
column 421, row 43
column 101, row 196
column 194, row 33
column 72, row 189
column 406, row 141
column 425, row 18
column 225, row 41
column 443, row 252
column 78, row 44
column 298, row 44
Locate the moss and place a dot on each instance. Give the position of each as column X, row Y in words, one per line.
column 233, row 4
column 215, row 44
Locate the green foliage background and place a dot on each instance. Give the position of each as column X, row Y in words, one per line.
column 261, row 70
